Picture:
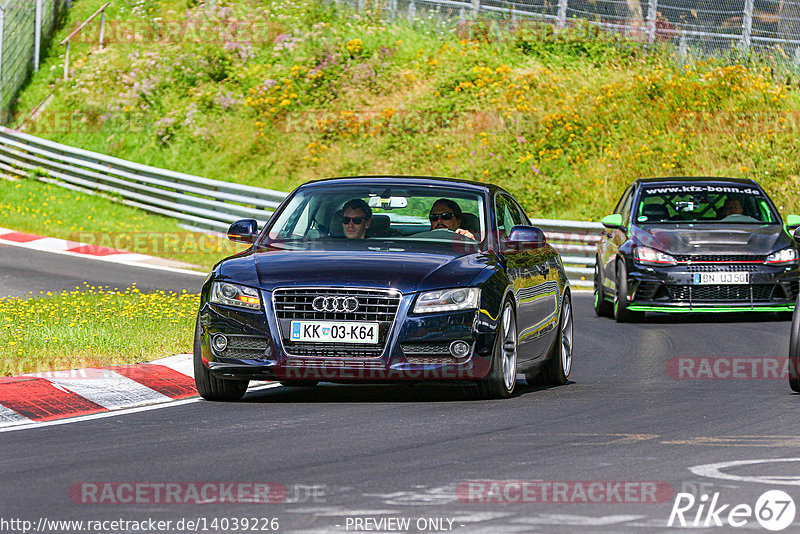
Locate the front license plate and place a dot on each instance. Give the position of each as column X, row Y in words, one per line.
column 332, row 331
column 721, row 278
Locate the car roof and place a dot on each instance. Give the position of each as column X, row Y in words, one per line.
column 694, row 179
column 395, row 179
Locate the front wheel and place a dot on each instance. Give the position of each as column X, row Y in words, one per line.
column 602, row 308
column 503, row 374
column 794, row 350
column 210, row 387
column 621, row 312
column 558, row 365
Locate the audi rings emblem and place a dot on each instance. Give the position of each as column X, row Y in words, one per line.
column 335, row 304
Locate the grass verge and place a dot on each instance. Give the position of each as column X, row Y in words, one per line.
column 93, row 326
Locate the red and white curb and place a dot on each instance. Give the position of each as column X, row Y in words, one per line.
column 42, row 397
column 96, row 252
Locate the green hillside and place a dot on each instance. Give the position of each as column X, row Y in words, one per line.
column 274, row 93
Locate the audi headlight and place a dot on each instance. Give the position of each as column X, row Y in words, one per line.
column 235, row 295
column 786, row 255
column 463, row 298
column 652, row 256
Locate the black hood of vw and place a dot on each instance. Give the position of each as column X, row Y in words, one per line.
column 713, row 238
column 406, row 268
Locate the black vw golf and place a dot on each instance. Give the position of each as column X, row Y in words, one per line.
column 695, row 245
column 386, row 279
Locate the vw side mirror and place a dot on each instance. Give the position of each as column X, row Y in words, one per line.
column 243, row 231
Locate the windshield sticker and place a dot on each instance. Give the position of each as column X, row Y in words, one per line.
column 703, row 189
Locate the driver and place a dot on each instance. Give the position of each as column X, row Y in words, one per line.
column 356, row 218
column 446, row 213
column 732, row 206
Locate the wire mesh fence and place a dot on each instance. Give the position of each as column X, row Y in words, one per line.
column 704, row 27
column 25, row 26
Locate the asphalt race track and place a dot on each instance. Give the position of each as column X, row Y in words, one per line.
column 368, row 458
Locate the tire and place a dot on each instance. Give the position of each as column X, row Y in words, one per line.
column 210, row 387
column 794, row 350
column 502, row 378
column 558, row 366
column 602, row 308
column 299, row 383
column 621, row 312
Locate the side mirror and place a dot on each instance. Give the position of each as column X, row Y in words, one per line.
column 243, row 231
column 797, row 235
column 524, row 238
column 613, row 221
column 792, row 221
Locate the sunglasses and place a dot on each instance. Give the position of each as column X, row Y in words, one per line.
column 355, row 220
column 445, row 216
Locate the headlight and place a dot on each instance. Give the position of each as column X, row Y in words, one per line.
column 652, row 256
column 235, row 295
column 782, row 256
column 463, row 298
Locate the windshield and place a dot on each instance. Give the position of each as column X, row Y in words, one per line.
column 704, row 203
column 380, row 214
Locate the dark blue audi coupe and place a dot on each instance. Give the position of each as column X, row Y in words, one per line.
column 385, row 279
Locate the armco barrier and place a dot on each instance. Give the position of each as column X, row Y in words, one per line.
column 212, row 205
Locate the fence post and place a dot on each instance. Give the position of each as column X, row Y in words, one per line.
column 412, row 10
column 476, row 7
column 66, row 63
column 652, row 13
column 562, row 14
column 747, row 25
column 102, row 28
column 37, row 36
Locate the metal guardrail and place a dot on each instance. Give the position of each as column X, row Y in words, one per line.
column 204, row 204
column 199, row 203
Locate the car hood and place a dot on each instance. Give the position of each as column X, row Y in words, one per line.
column 757, row 239
column 398, row 268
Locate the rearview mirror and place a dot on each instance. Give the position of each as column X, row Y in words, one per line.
column 613, row 221
column 391, row 203
column 243, row 231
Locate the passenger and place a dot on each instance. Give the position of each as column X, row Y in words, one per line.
column 732, row 206
column 356, row 218
column 446, row 213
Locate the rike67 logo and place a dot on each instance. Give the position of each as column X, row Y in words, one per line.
column 774, row 510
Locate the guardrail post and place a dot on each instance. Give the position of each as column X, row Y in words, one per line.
column 66, row 63
column 562, row 14
column 412, row 10
column 652, row 13
column 37, row 36
column 747, row 25
column 102, row 28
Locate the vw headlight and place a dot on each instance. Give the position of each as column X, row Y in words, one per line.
column 463, row 298
column 652, row 256
column 786, row 255
column 235, row 295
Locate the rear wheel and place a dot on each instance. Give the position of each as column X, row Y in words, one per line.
column 210, row 387
column 621, row 312
column 602, row 308
column 503, row 374
column 794, row 350
column 558, row 365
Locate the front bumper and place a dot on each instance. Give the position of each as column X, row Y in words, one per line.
column 413, row 348
column 673, row 289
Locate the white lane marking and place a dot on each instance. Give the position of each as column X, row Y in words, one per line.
column 9, row 416
column 577, row 520
column 33, row 245
column 112, row 390
column 715, row 471
column 103, row 415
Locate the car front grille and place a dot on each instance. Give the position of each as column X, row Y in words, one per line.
column 721, row 292
column 374, row 305
column 728, row 268
column 719, row 258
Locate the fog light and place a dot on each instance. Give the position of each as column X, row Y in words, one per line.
column 459, row 349
column 219, row 342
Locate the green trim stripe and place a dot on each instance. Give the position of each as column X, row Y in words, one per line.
column 721, row 309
